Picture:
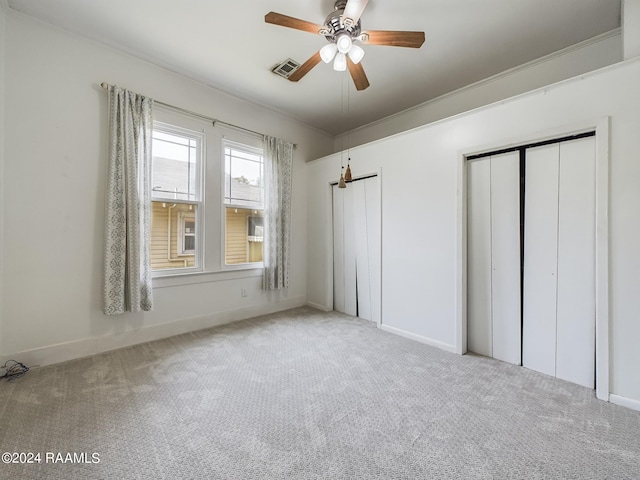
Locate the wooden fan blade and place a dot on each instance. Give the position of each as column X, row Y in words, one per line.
column 291, row 22
column 357, row 74
column 394, row 38
column 353, row 11
column 305, row 67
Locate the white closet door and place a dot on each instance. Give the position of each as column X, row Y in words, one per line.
column 540, row 259
column 575, row 355
column 361, row 248
column 338, row 250
column 357, row 249
column 344, row 253
column 479, row 336
column 505, row 257
column 349, row 265
column 374, row 238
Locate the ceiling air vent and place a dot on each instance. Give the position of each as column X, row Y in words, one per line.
column 286, row 68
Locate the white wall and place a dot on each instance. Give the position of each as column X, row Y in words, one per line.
column 55, row 171
column 419, row 194
column 631, row 28
column 2, row 203
column 584, row 57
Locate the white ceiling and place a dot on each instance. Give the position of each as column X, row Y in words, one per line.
column 229, row 46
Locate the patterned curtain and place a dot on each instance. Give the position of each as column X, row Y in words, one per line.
column 278, row 164
column 127, row 276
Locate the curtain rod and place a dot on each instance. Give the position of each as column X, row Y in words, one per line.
column 106, row 86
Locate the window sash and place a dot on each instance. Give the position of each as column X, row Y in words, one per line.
column 182, row 138
column 238, row 154
column 193, row 195
column 240, row 249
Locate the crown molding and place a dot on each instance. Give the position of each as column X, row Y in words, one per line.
column 504, row 74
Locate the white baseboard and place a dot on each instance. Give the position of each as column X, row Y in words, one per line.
column 625, row 402
column 317, row 306
column 419, row 338
column 85, row 347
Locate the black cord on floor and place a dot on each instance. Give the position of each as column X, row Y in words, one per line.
column 14, row 370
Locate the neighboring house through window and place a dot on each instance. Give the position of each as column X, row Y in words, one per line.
column 196, row 229
column 176, row 176
column 243, row 203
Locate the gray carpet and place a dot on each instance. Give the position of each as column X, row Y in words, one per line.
column 309, row 395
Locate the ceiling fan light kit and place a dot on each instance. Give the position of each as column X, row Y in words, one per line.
column 340, row 63
column 328, row 52
column 344, row 43
column 342, row 28
column 356, row 54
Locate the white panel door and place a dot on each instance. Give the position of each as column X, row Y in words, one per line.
column 363, row 284
column 575, row 351
column 540, row 259
column 479, row 335
column 344, row 256
column 505, row 257
column 349, row 265
column 338, row 250
column 357, row 249
column 374, row 238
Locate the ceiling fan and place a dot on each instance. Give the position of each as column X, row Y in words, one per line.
column 341, row 29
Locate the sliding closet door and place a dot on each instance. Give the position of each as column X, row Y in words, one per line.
column 549, row 325
column 493, row 268
column 338, row 250
column 559, row 280
column 374, row 225
column 363, row 283
column 540, row 259
column 357, row 249
column 505, row 257
column 349, row 259
column 366, row 223
column 479, row 257
column 575, row 356
column 344, row 253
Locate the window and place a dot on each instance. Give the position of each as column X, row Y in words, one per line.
column 186, row 234
column 176, row 193
column 243, row 203
column 196, row 229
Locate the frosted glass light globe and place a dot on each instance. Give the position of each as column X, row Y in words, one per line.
column 344, row 43
column 328, row 52
column 340, row 63
column 356, row 54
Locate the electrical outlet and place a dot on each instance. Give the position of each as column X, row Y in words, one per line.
column 243, row 292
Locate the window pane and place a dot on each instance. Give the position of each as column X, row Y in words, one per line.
column 174, row 167
column 173, row 233
column 243, row 235
column 190, row 242
column 170, row 137
column 246, row 155
column 243, row 178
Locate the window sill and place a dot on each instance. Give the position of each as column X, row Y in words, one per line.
column 192, row 278
column 232, row 267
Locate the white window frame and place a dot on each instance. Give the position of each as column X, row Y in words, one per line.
column 255, row 150
column 199, row 202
